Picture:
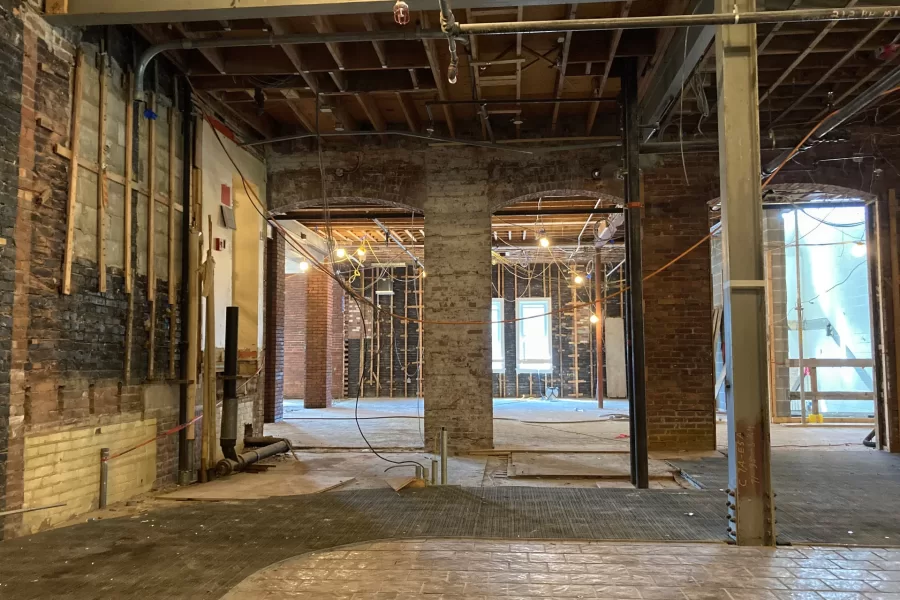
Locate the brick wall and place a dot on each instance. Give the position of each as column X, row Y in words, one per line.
column 275, row 340
column 13, row 207
column 295, row 335
column 62, row 357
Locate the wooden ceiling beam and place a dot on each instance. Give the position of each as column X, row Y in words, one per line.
column 280, row 27
column 439, row 80
column 293, row 102
column 324, row 24
column 372, row 25
column 372, row 111
column 815, row 42
column 214, row 55
column 607, row 67
column 408, row 107
column 564, row 58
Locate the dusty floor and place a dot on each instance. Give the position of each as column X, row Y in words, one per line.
column 482, row 569
column 559, row 425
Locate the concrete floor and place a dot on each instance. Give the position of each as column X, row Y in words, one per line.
column 481, row 569
column 559, row 425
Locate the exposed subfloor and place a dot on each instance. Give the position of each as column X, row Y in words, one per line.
column 396, row 423
column 478, row 569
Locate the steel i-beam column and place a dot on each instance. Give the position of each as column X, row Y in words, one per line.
column 751, row 509
column 634, row 207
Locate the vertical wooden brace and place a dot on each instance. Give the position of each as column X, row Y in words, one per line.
column 129, row 175
column 102, row 183
column 75, row 145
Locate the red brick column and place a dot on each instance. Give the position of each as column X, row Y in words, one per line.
column 295, row 335
column 678, row 323
column 319, row 339
column 273, row 400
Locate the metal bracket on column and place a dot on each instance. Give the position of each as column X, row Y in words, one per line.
column 745, row 284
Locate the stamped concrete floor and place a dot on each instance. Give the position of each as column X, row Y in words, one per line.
column 481, row 569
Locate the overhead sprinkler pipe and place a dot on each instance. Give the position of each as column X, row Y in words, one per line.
column 448, row 24
column 666, row 21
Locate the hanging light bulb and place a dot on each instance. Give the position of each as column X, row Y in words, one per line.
column 858, row 250
column 595, row 319
column 340, row 253
column 303, row 266
column 361, row 252
column 423, row 273
column 544, row 242
column 579, row 280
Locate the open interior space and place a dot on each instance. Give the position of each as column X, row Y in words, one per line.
column 450, row 299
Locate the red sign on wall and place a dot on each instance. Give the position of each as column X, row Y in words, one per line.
column 226, row 195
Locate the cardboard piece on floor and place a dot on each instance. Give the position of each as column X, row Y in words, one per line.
column 398, row 483
column 286, row 479
column 599, row 465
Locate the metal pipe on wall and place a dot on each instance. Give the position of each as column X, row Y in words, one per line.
column 666, row 21
column 228, row 439
column 239, row 462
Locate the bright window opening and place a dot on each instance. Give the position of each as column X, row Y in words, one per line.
column 497, row 347
column 533, row 335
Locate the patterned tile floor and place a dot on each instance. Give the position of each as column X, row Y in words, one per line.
column 479, row 570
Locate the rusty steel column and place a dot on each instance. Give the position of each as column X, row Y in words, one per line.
column 751, row 509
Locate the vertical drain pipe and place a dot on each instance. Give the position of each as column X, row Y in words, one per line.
column 104, row 477
column 228, row 438
column 443, row 456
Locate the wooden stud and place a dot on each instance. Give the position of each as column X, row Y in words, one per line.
column 151, row 206
column 73, row 172
column 895, row 279
column 129, row 176
column 151, row 235
column 562, row 381
column 56, row 7
column 577, row 394
column 420, row 312
column 171, row 252
column 102, row 183
column 515, row 270
column 405, row 330
column 391, row 347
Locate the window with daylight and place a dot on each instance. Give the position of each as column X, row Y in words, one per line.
column 497, row 347
column 533, row 335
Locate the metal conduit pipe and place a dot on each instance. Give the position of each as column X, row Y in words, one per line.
column 227, row 466
column 871, row 95
column 277, row 40
column 664, row 21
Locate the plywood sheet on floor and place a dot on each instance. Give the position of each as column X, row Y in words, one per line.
column 606, row 465
column 286, row 479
